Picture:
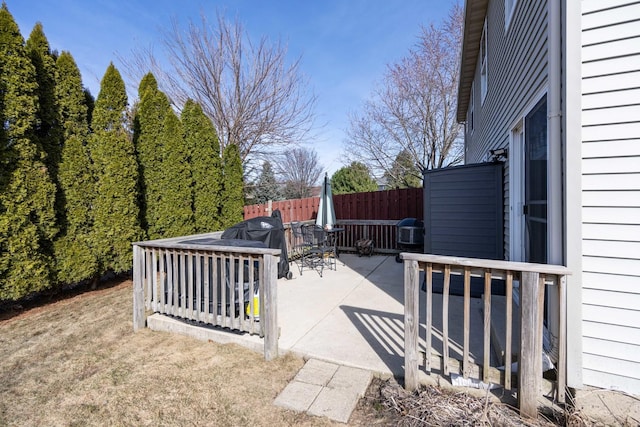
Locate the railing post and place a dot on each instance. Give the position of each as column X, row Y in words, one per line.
column 530, row 360
column 139, row 319
column 562, row 338
column 270, row 316
column 411, row 319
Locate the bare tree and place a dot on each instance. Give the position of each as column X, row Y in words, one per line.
column 414, row 109
column 299, row 170
column 253, row 97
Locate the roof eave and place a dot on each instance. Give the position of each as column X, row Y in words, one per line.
column 474, row 13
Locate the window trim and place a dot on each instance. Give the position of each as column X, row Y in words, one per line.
column 471, row 112
column 484, row 79
column 509, row 12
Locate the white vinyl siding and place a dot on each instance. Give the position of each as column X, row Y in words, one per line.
column 611, row 194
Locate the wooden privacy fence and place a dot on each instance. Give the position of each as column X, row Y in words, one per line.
column 209, row 284
column 375, row 205
column 291, row 210
column 532, row 279
column 381, row 205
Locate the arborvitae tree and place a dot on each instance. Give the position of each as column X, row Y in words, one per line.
column 75, row 257
column 354, row 178
column 116, row 170
column 151, row 111
column 206, row 168
column 27, row 194
column 267, row 187
column 176, row 214
column 232, row 186
column 48, row 131
column 91, row 103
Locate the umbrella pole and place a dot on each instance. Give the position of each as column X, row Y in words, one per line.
column 324, row 211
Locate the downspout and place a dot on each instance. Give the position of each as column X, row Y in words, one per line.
column 555, row 187
column 554, row 64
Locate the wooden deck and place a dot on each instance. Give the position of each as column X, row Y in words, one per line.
column 368, row 313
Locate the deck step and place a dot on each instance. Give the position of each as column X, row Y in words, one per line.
column 498, row 328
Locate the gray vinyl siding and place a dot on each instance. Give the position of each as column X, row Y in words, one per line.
column 505, row 213
column 517, row 73
column 516, row 76
column 611, row 194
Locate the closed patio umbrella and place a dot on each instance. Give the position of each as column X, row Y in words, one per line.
column 326, row 214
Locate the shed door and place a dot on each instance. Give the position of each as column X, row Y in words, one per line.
column 463, row 213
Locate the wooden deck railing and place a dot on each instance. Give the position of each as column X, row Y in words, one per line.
column 382, row 232
column 209, row 284
column 532, row 279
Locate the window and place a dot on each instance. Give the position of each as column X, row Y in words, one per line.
column 483, row 63
column 509, row 6
column 471, row 104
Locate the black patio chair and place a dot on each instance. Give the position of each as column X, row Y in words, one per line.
column 298, row 245
column 320, row 251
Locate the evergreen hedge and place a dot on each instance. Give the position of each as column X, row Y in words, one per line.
column 152, row 108
column 115, row 167
column 78, row 181
column 206, row 168
column 27, row 192
column 75, row 256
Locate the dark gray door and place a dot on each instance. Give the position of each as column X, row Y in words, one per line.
column 463, row 216
column 463, row 211
column 535, row 183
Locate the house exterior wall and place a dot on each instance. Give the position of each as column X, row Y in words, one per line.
column 611, row 193
column 517, row 71
column 600, row 165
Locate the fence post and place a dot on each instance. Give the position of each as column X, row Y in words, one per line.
column 270, row 316
column 411, row 319
column 139, row 319
column 530, row 360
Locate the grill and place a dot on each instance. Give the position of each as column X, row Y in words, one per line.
column 410, row 232
column 410, row 235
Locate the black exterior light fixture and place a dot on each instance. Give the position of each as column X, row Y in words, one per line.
column 499, row 154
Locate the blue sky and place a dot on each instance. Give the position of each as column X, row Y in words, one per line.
column 345, row 44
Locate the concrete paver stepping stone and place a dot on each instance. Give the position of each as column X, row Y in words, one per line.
column 354, row 379
column 326, row 390
column 334, row 403
column 316, row 372
column 298, row 396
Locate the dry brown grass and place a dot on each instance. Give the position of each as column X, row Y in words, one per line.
column 77, row 362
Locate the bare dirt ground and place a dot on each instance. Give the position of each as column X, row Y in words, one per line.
column 76, row 361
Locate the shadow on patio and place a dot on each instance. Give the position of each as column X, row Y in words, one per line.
column 355, row 315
